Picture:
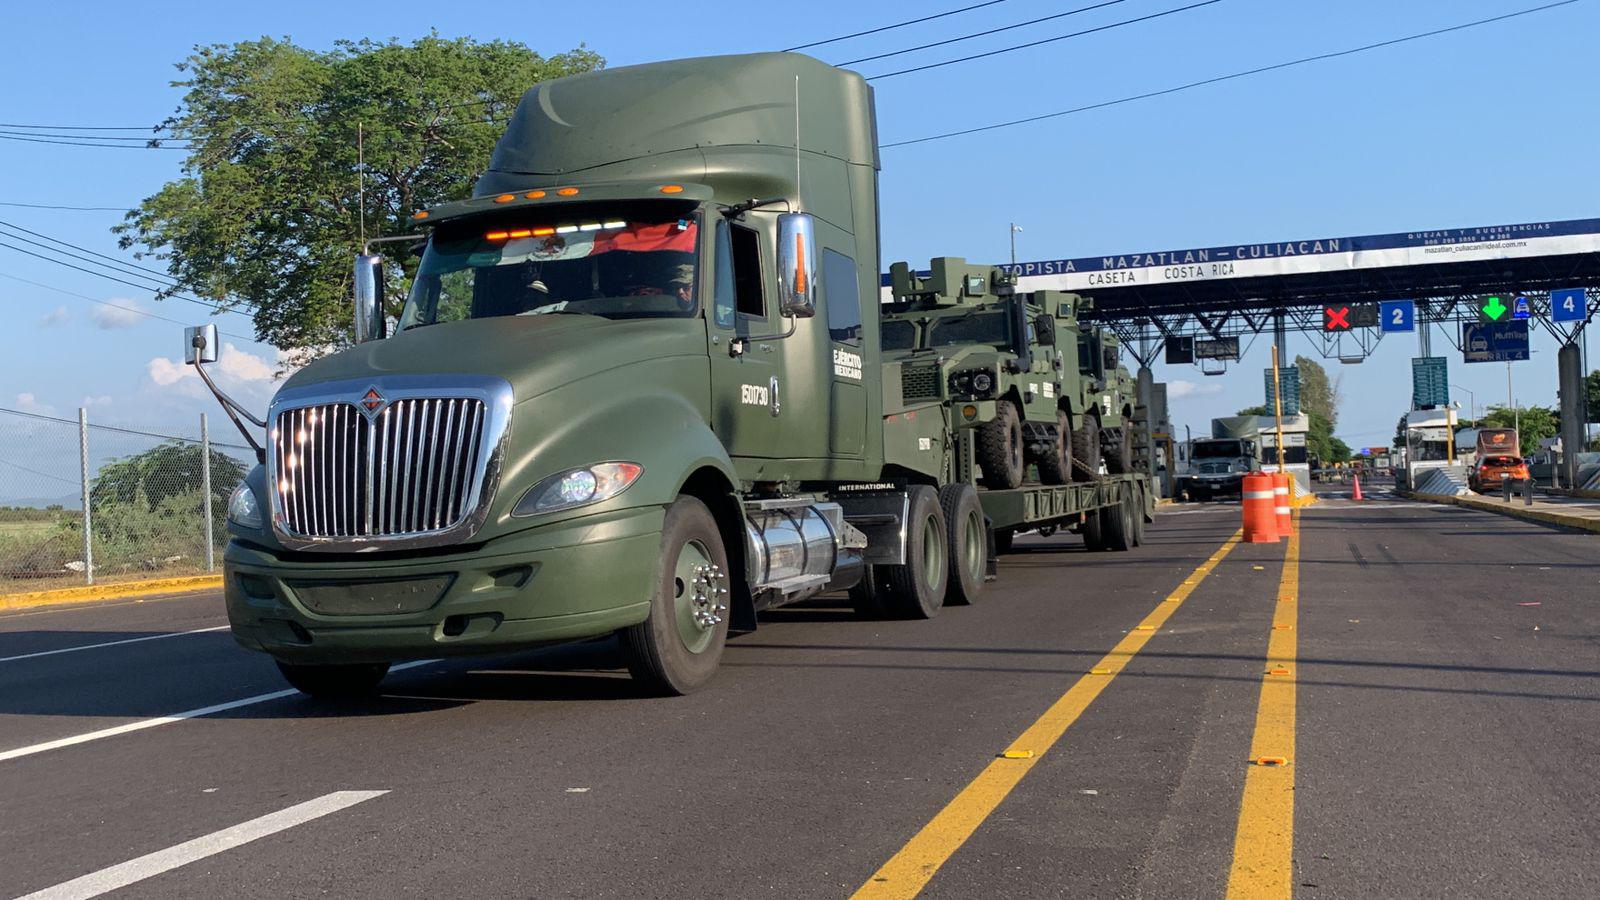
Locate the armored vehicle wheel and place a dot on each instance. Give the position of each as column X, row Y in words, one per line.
column 334, row 682
column 1086, row 448
column 1093, row 531
column 1116, row 525
column 1119, row 455
column 1003, row 538
column 676, row 649
column 1055, row 467
column 969, row 546
column 916, row 588
column 1000, row 448
column 1138, row 517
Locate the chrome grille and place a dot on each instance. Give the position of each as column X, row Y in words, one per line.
column 412, row 469
column 919, row 382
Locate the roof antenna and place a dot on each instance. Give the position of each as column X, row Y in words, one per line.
column 797, row 141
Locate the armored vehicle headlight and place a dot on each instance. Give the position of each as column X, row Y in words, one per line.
column 243, row 509
column 577, row 487
column 982, row 383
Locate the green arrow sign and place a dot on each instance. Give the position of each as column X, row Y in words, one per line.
column 1493, row 309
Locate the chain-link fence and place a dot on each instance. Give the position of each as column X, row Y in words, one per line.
column 140, row 495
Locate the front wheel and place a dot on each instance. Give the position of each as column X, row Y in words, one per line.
column 676, row 650
column 343, row 682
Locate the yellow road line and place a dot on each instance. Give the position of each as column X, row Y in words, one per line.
column 908, row 871
column 1263, row 846
column 113, row 591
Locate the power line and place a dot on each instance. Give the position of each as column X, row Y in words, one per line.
column 951, row 62
column 883, row 28
column 123, row 264
column 84, row 127
column 118, row 306
column 1220, row 78
column 79, row 137
column 39, row 473
column 978, row 34
column 145, row 146
column 142, row 287
column 73, row 208
column 120, row 430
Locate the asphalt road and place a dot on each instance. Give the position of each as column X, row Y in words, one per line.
column 1448, row 686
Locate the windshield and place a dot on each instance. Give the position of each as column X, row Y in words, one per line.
column 1218, row 450
column 977, row 328
column 897, row 334
column 621, row 263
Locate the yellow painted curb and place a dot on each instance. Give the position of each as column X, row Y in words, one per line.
column 1517, row 510
column 92, row 593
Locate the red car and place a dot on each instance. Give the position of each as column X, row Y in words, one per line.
column 1491, row 470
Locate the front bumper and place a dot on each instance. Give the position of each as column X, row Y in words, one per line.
column 1211, row 485
column 564, row 581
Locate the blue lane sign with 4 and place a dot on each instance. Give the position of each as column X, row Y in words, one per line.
column 1520, row 309
column 1568, row 305
column 1397, row 315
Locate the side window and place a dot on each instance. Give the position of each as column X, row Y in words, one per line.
column 841, row 292
column 723, row 301
column 748, row 297
column 738, row 285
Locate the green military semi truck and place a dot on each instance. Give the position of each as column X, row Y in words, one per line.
column 635, row 389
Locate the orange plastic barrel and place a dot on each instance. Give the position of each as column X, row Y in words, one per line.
column 1280, row 503
column 1260, row 516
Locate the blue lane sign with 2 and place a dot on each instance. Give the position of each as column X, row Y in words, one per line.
column 1568, row 305
column 1397, row 315
column 1520, row 309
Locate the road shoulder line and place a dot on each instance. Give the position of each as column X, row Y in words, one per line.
column 97, row 592
column 914, row 865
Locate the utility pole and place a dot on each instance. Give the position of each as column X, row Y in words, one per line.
column 1015, row 229
column 1472, row 401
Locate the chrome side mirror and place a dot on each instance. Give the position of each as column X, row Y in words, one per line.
column 797, row 265
column 200, row 344
column 369, row 297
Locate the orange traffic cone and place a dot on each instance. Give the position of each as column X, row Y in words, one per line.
column 1356, row 494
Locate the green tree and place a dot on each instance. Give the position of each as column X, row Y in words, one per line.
column 1591, row 395
column 1339, row 451
column 169, row 469
column 1533, row 423
column 266, row 213
column 1319, row 394
column 1253, row 411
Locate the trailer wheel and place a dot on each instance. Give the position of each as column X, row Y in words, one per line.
column 1003, row 539
column 1119, row 458
column 916, row 588
column 1094, row 539
column 1116, row 524
column 969, row 545
column 1138, row 517
column 342, row 682
column 1000, row 448
column 1086, row 447
column 676, row 650
column 1055, row 467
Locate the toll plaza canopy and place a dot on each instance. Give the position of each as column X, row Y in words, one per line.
column 1237, row 289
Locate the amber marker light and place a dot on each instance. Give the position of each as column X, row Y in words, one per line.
column 420, row 214
column 496, row 236
column 505, row 198
column 521, row 232
column 534, row 195
column 568, row 192
column 544, row 232
column 672, row 189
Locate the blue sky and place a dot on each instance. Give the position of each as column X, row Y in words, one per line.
column 1473, row 128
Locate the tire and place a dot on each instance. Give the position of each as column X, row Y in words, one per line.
column 916, row 588
column 1093, row 532
column 968, row 543
column 1000, row 448
column 1056, row 467
column 1119, row 456
column 1003, row 539
column 1116, row 525
column 677, row 648
column 343, row 682
column 1138, row 517
column 1086, row 448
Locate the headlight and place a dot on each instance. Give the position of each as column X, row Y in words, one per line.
column 982, row 383
column 243, row 509
column 578, row 487
column 977, row 383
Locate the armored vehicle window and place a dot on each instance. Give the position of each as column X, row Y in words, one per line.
column 625, row 262
column 987, row 327
column 841, row 292
column 897, row 334
column 748, row 296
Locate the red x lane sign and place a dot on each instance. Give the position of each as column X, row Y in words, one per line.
column 1336, row 318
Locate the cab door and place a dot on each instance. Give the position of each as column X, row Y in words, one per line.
column 747, row 392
